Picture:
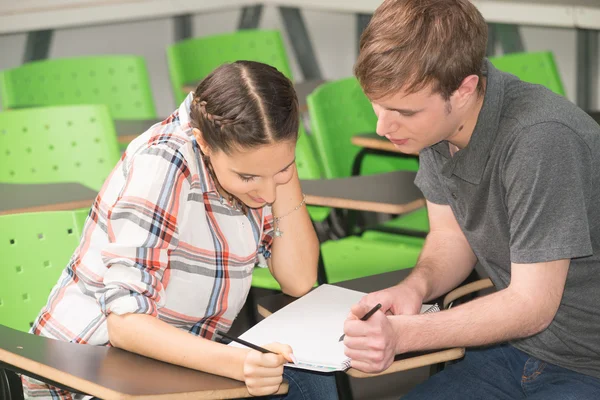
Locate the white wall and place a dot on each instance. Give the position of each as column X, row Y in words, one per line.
column 332, row 34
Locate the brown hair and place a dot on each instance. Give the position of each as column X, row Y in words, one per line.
column 244, row 105
column 412, row 44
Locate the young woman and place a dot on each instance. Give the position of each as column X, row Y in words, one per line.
column 169, row 246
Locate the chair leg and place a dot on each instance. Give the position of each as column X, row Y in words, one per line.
column 342, row 381
column 251, row 307
column 10, row 385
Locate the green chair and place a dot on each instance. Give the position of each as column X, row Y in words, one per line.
column 35, row 249
column 121, row 82
column 193, row 59
column 339, row 110
column 58, row 144
column 539, row 68
column 355, row 257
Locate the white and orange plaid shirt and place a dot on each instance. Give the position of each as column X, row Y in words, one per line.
column 158, row 241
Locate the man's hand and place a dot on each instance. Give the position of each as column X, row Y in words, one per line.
column 370, row 344
column 398, row 300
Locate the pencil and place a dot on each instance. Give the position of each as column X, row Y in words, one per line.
column 243, row 342
column 365, row 317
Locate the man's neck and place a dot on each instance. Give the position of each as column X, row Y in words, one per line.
column 461, row 138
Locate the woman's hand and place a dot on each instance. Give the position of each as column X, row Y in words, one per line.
column 263, row 373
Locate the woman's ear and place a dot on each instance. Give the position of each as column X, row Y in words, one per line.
column 201, row 142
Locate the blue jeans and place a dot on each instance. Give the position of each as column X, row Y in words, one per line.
column 503, row 372
column 308, row 385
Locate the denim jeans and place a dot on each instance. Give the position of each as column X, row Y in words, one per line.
column 308, row 385
column 503, row 372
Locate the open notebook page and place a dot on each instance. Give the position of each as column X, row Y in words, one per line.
column 312, row 326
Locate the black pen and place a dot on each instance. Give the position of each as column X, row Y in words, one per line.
column 366, row 317
column 250, row 345
column 243, row 342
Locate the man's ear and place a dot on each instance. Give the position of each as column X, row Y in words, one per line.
column 201, row 142
column 466, row 90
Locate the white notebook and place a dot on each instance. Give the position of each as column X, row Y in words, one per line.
column 312, row 326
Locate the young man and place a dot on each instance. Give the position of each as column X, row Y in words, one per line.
column 511, row 174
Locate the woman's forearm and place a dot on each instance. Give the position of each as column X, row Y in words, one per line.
column 164, row 342
column 295, row 254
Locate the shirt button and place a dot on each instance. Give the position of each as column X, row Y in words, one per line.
column 454, row 196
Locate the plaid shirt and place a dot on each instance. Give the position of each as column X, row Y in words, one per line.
column 158, row 241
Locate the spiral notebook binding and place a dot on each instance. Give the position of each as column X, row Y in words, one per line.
column 432, row 309
column 346, row 364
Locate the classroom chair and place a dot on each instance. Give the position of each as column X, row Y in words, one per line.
column 121, row 82
column 537, row 67
column 35, row 249
column 340, row 110
column 191, row 60
column 58, row 144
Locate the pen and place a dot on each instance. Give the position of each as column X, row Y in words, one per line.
column 243, row 342
column 366, row 317
column 250, row 345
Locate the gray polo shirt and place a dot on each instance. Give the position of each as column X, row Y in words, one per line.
column 527, row 190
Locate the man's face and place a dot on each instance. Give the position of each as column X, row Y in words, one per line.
column 415, row 121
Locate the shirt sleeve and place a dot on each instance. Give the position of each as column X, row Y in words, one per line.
column 547, row 179
column 428, row 180
column 142, row 229
column 266, row 241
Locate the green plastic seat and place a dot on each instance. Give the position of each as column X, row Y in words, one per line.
column 193, row 59
column 121, row 82
column 339, row 110
column 355, row 257
column 58, row 144
column 35, row 249
column 415, row 221
column 538, row 67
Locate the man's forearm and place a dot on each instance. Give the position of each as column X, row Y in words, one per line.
column 445, row 262
column 495, row 318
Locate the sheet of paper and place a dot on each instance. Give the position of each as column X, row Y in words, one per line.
column 312, row 326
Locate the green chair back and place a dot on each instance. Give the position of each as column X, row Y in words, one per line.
column 35, row 249
column 192, row 60
column 539, row 68
column 339, row 110
column 121, row 82
column 58, row 144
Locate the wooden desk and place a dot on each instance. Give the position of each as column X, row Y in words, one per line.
column 269, row 304
column 392, row 192
column 303, row 89
column 20, row 198
column 129, row 130
column 110, row 373
column 376, row 142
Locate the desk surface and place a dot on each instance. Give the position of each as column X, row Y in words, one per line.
column 376, row 142
column 269, row 304
column 110, row 372
column 127, row 130
column 392, row 192
column 18, row 198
